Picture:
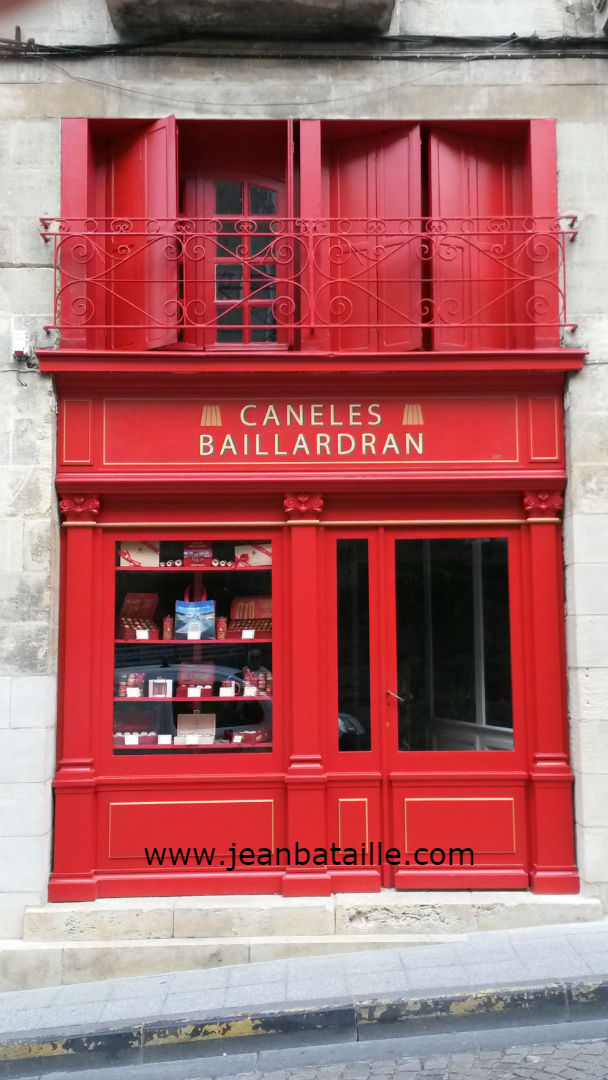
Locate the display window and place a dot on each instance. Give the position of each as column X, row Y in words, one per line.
column 193, row 667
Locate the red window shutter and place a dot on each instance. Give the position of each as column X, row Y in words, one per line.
column 80, row 304
column 477, row 284
column 375, row 207
column 143, row 248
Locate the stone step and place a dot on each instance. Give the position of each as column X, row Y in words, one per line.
column 386, row 912
column 25, row 965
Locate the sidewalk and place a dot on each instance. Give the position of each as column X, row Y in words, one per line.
column 537, row 976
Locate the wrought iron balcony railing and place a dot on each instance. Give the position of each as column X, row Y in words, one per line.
column 310, row 284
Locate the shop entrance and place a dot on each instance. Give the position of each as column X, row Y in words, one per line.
column 431, row 732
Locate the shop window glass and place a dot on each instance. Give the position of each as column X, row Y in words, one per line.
column 453, row 652
column 193, row 647
column 354, row 724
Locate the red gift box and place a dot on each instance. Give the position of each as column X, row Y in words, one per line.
column 198, row 555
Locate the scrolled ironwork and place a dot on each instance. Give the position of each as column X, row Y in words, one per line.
column 481, row 275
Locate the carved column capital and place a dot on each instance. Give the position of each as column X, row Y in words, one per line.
column 542, row 504
column 303, row 506
column 82, row 508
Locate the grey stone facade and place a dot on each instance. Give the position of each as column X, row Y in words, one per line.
column 36, row 93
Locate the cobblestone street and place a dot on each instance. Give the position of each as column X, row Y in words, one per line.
column 561, row 1061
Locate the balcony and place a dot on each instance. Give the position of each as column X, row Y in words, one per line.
column 235, row 284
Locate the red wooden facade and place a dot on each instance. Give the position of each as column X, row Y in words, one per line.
column 340, row 343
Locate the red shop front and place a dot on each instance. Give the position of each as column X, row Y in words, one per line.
column 303, row 620
column 310, row 470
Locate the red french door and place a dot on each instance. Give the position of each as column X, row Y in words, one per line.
column 429, row 756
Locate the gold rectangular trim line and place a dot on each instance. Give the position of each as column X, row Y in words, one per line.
column 185, row 802
column 465, row 798
column 310, row 521
column 363, row 800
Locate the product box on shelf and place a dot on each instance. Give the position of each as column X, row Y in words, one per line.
column 198, row 554
column 160, row 688
column 195, row 729
column 194, row 620
column 136, row 621
column 252, row 555
column 138, row 553
column 250, row 613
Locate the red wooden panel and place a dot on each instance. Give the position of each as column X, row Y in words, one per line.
column 375, row 193
column 191, row 823
column 353, row 822
column 485, row 824
column 75, row 438
column 476, row 278
column 143, row 258
column 544, row 429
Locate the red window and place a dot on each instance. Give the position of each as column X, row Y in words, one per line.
column 345, row 235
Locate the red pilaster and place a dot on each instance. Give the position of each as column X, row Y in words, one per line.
column 74, row 784
column 553, row 867
column 306, row 812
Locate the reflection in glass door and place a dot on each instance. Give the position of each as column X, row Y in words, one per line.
column 453, row 648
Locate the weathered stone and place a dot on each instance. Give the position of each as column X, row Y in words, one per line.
column 588, row 694
column 25, row 810
column 143, row 919
column 26, row 755
column 25, row 862
column 33, row 701
column 208, row 917
column 302, row 17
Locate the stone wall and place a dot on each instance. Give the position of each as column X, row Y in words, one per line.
column 35, row 94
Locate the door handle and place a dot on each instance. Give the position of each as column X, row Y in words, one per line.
column 395, row 695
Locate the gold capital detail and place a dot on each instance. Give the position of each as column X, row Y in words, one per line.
column 412, row 416
column 211, row 416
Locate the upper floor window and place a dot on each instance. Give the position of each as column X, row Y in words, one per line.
column 349, row 236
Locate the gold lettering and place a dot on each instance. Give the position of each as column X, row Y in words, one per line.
column 374, row 410
column 354, row 415
column 368, row 442
column 416, row 441
column 258, row 448
column 316, row 415
column 323, row 442
column 391, row 444
column 244, row 410
column 341, row 437
column 277, row 447
column 228, row 445
column 332, row 418
column 206, row 445
column 271, row 414
column 301, row 444
column 295, row 412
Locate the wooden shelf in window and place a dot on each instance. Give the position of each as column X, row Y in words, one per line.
column 199, row 641
column 194, row 700
column 191, row 569
column 171, row 748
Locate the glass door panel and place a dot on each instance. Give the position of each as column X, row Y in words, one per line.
column 453, row 645
column 354, row 715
